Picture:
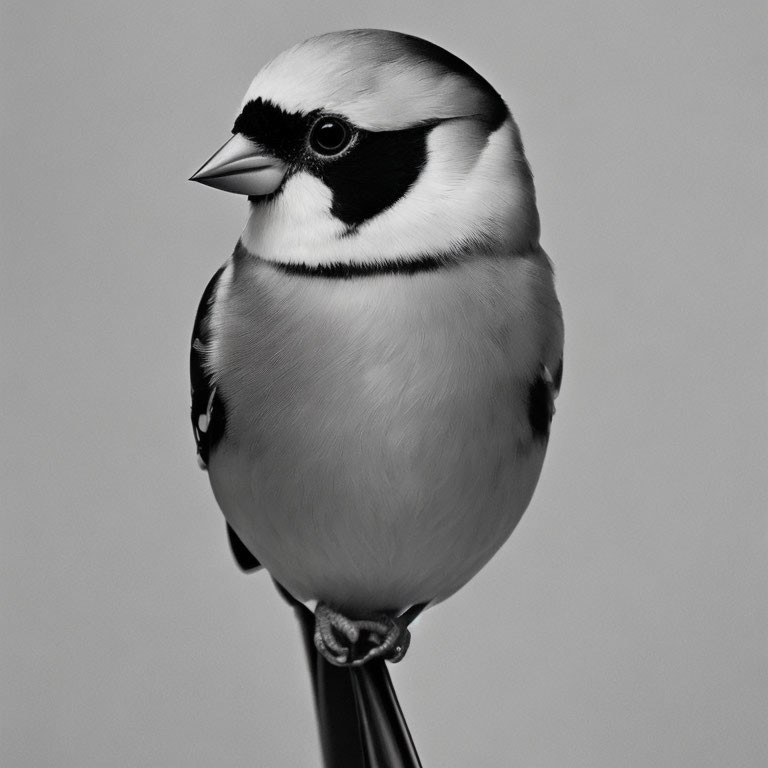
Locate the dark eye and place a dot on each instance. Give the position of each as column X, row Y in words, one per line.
column 329, row 136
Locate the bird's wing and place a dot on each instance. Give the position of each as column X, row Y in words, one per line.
column 557, row 378
column 207, row 422
column 541, row 399
column 207, row 413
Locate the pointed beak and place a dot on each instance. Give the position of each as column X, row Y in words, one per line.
column 243, row 167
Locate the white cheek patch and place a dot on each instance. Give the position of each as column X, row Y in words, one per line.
column 455, row 147
column 296, row 224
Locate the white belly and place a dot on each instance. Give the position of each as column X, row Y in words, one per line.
column 378, row 450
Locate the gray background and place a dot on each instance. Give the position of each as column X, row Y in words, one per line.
column 624, row 624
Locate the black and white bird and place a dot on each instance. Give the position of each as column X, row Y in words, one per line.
column 374, row 368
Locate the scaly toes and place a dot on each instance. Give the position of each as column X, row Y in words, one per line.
column 343, row 641
column 335, row 634
column 391, row 644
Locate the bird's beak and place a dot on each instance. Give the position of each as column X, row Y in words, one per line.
column 243, row 167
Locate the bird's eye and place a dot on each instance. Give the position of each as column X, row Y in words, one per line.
column 329, row 136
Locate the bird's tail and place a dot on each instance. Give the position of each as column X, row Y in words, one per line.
column 360, row 721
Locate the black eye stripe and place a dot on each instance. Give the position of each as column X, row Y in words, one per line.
column 376, row 172
column 366, row 179
column 278, row 131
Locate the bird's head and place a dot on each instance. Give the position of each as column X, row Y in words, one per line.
column 366, row 146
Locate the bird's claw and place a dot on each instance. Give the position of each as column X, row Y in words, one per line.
column 348, row 642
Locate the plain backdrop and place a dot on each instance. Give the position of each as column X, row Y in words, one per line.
column 623, row 624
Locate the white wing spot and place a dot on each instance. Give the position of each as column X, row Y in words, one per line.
column 547, row 376
column 204, row 420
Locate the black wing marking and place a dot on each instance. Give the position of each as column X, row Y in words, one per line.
column 241, row 553
column 558, row 377
column 208, row 413
column 541, row 400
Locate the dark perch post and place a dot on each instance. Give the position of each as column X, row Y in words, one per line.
column 359, row 718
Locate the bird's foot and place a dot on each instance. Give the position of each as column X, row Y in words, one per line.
column 352, row 642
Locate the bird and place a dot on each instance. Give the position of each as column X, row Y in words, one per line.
column 374, row 368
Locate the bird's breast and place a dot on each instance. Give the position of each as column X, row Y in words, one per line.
column 377, row 448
